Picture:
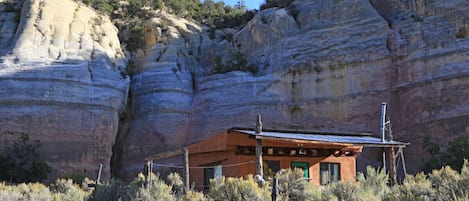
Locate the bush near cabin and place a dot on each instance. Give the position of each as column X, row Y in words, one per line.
column 441, row 184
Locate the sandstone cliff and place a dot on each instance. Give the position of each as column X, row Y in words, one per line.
column 61, row 82
column 319, row 64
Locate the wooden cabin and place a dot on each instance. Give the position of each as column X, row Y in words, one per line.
column 325, row 157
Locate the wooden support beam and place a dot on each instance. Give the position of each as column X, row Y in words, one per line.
column 149, row 171
column 384, row 159
column 403, row 161
column 392, row 166
column 259, row 157
column 259, row 146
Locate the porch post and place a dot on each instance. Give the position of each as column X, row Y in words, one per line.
column 392, row 166
column 259, row 146
column 149, row 166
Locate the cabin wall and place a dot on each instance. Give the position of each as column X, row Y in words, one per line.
column 246, row 165
column 347, row 165
column 198, row 161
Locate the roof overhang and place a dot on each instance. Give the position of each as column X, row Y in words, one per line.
column 323, row 137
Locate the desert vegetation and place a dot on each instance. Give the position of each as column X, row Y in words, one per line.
column 20, row 161
column 276, row 3
column 209, row 12
column 456, row 151
column 237, row 62
column 441, row 184
column 129, row 15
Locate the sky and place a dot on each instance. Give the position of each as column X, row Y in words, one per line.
column 251, row 4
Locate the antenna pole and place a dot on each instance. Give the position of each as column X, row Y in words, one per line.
column 383, row 131
column 383, row 122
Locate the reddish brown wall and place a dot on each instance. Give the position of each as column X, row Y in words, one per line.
column 347, row 165
column 222, row 147
column 226, row 157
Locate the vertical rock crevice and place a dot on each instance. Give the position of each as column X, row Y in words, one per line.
column 126, row 118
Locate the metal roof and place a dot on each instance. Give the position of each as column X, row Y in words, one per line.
column 362, row 140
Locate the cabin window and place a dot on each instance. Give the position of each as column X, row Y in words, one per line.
column 210, row 173
column 302, row 165
column 329, row 172
column 270, row 167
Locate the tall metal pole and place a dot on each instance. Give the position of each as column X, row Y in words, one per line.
column 186, row 169
column 383, row 130
column 383, row 121
column 98, row 179
column 390, row 151
column 259, row 146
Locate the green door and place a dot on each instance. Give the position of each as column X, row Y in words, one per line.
column 303, row 165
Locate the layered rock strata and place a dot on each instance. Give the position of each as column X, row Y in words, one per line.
column 319, row 65
column 62, row 82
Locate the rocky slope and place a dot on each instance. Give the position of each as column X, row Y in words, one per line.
column 61, row 82
column 319, row 64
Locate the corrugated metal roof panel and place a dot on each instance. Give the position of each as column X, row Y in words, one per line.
column 352, row 139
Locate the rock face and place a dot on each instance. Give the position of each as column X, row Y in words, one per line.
column 311, row 75
column 429, row 70
column 322, row 64
column 319, row 64
column 61, row 82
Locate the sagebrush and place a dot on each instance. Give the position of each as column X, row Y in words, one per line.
column 441, row 184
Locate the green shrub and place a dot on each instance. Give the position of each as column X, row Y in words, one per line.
column 374, row 181
column 417, row 188
column 449, row 184
column 31, row 191
column 276, row 3
column 458, row 150
column 21, row 162
column 194, row 196
column 238, row 62
column 139, row 190
column 237, row 189
column 8, row 7
column 77, row 178
column 35, row 191
column 135, row 39
column 348, row 191
column 106, row 192
column 9, row 193
column 293, row 186
column 465, row 176
column 66, row 190
column 443, row 184
column 369, row 186
column 102, row 193
column 176, row 183
column 209, row 12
